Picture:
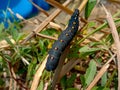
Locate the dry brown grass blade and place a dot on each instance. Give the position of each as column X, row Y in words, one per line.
column 81, row 7
column 100, row 73
column 59, row 67
column 116, row 1
column 12, row 83
column 67, row 67
column 56, row 26
column 98, row 76
column 45, row 36
column 4, row 44
column 38, row 75
column 58, row 5
column 45, row 23
column 116, row 40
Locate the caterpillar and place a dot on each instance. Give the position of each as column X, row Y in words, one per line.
column 63, row 40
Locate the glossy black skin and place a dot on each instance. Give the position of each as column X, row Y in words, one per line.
column 63, row 40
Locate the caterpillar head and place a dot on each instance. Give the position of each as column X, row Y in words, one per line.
column 75, row 15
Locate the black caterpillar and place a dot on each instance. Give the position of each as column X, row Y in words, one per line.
column 63, row 40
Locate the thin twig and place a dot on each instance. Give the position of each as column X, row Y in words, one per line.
column 67, row 67
column 15, row 79
column 100, row 73
column 46, row 86
column 116, row 1
column 25, row 20
column 96, row 30
column 38, row 75
column 11, row 84
column 45, row 36
column 116, row 40
column 45, row 22
column 13, row 74
column 56, row 26
column 59, row 67
column 19, row 16
column 15, row 83
column 98, row 76
column 58, row 5
column 81, row 7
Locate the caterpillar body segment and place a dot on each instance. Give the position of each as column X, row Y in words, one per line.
column 63, row 41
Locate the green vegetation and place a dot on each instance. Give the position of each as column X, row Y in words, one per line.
column 19, row 62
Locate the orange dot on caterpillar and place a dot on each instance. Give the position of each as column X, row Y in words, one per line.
column 74, row 22
column 67, row 34
column 51, row 57
column 56, row 48
column 73, row 27
column 61, row 40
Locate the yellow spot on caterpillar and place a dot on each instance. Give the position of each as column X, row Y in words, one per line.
column 56, row 48
column 51, row 57
column 74, row 22
column 67, row 34
column 61, row 40
column 71, row 31
column 76, row 17
column 73, row 27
